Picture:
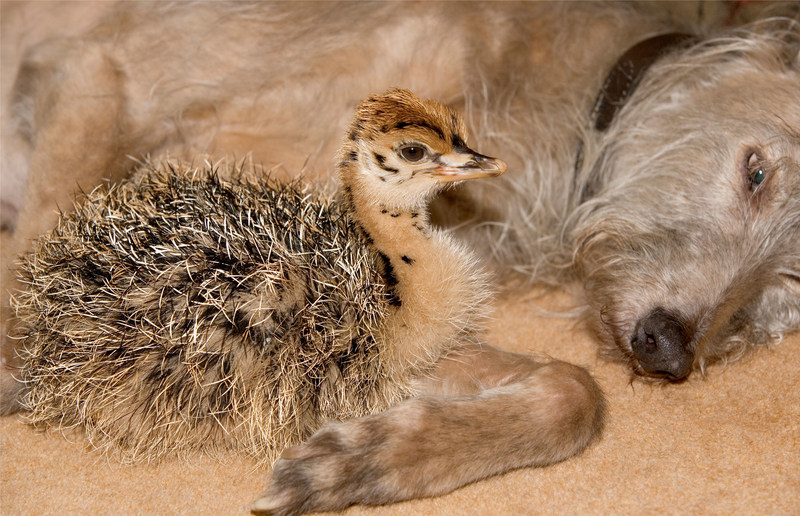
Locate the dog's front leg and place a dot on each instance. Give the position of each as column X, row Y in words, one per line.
column 481, row 412
column 70, row 106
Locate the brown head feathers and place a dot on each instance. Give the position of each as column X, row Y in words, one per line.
column 401, row 110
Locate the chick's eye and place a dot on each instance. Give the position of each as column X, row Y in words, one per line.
column 412, row 153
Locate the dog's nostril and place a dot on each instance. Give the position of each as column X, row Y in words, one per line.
column 661, row 343
column 650, row 343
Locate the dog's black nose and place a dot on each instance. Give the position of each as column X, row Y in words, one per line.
column 661, row 345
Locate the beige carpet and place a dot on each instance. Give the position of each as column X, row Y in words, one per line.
column 729, row 444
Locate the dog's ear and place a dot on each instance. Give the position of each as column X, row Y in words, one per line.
column 782, row 34
column 790, row 50
column 792, row 53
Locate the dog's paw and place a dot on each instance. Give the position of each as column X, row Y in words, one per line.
column 334, row 469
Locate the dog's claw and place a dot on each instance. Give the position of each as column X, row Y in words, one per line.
column 265, row 505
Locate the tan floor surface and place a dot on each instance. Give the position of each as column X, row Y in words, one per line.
column 729, row 444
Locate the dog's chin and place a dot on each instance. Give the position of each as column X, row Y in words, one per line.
column 662, row 378
column 639, row 371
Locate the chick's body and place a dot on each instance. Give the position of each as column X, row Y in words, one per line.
column 180, row 312
column 177, row 312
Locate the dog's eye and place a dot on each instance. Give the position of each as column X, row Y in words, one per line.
column 757, row 176
column 412, row 153
column 756, row 173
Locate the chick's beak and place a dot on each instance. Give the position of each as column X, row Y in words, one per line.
column 470, row 165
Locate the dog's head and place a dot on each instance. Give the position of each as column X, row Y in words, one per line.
column 690, row 246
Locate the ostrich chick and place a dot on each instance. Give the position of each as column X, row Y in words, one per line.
column 399, row 153
column 179, row 312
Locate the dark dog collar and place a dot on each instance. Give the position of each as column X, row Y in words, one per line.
column 625, row 76
column 622, row 81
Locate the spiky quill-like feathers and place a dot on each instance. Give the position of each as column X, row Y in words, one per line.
column 181, row 312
